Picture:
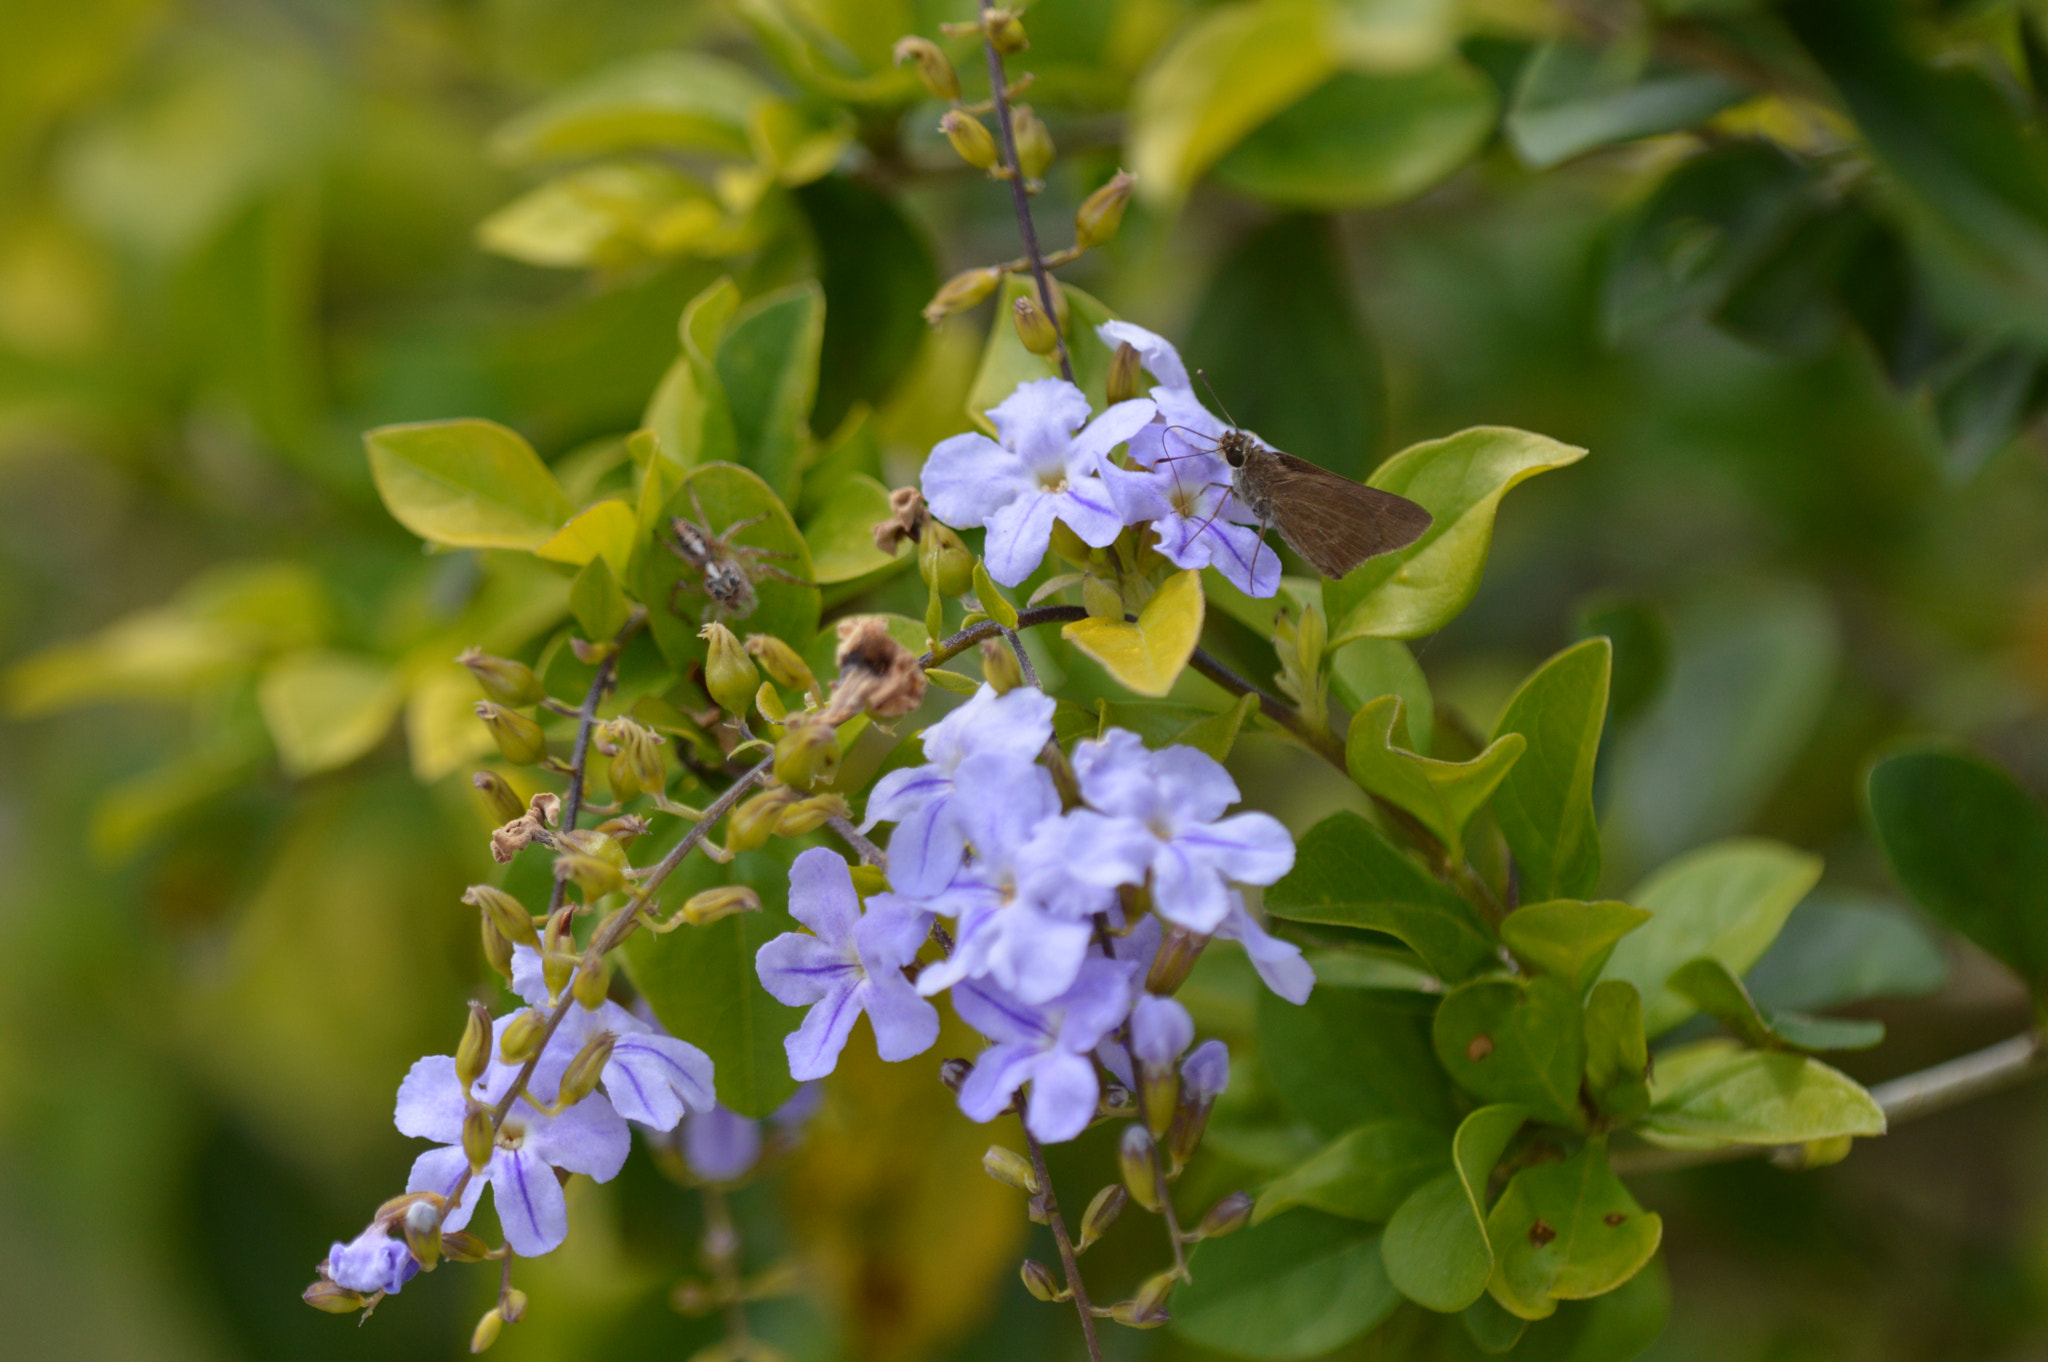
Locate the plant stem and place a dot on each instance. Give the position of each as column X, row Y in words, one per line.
column 1180, row 1257
column 853, row 837
column 722, row 1250
column 1944, row 1085
column 998, row 84
column 949, row 648
column 579, row 755
column 1023, row 658
column 1068, row 1262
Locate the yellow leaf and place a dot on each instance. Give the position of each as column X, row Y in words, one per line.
column 441, row 727
column 606, row 528
column 1147, row 656
column 326, row 709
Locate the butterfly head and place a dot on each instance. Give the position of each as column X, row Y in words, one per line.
column 1235, row 446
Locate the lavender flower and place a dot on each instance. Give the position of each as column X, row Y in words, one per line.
column 651, row 1077
column 1160, row 1030
column 371, row 1262
column 590, row 1137
column 928, row 844
column 1046, row 1046
column 1041, row 471
column 853, row 964
column 1278, row 962
column 721, row 1145
column 1206, row 1073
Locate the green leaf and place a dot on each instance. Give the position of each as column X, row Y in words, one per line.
column 1617, row 1051
column 1459, row 480
column 727, row 495
column 768, row 366
column 1436, row 1246
column 605, row 530
column 1287, row 350
column 1715, row 1092
column 1147, row 656
column 1294, row 1287
column 1005, row 362
column 1443, row 795
column 1640, row 638
column 1363, row 1174
column 1217, row 733
column 1843, row 949
column 613, row 216
column 841, row 535
column 597, row 603
column 1225, row 74
column 816, row 55
column 1572, row 99
column 1971, row 847
column 1365, row 139
column 1516, row 1040
column 1367, row 668
column 469, row 483
column 1567, row 1231
column 1726, row 901
column 1617, row 1327
column 1347, row 875
column 326, row 709
column 1545, row 805
column 992, row 601
column 877, row 270
column 682, row 100
column 1568, row 938
column 700, row 981
column 1721, row 996
column 1349, row 1056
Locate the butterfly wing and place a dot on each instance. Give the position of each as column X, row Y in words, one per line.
column 1334, row 522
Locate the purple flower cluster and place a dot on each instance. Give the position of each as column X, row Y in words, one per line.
column 1032, row 891
column 1047, row 465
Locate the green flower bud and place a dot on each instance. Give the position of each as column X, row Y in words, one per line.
column 593, row 980
column 961, row 292
column 596, row 876
column 944, row 562
column 782, row 663
column 1005, row 31
column 1134, row 1154
column 999, row 666
column 1175, row 961
column 325, row 1296
column 708, row 906
column 1038, row 1280
column 503, row 680
column 497, row 950
column 519, row 738
column 972, row 139
column 579, row 1080
column 473, row 1055
column 1158, row 1097
column 807, row 754
column 636, row 758
column 748, row 827
column 502, row 799
column 729, row 673
column 421, row 1224
column 933, row 69
column 1034, row 328
column 1101, row 213
column 1010, row 1168
column 523, row 1036
column 514, row 1306
column 477, row 1138
column 504, row 912
column 808, row 815
column 1232, row 1213
column 1147, row 1309
column 460, row 1246
column 869, row 879
column 1126, row 374
column 1035, row 150
column 557, row 967
column 1102, row 1212
column 487, row 1330
column 1189, row 1121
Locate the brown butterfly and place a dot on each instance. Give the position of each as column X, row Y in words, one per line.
column 1325, row 517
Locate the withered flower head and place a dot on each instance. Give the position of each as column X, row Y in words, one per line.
column 907, row 519
column 876, row 673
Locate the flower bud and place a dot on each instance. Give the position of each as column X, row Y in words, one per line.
column 334, row 1300
column 953, row 1072
column 477, row 1138
column 807, row 754
column 1134, row 1154
column 593, row 980
column 708, row 906
column 1010, row 1168
column 636, row 766
column 473, row 1055
column 497, row 950
column 728, row 672
column 1005, row 32
column 487, row 1330
column 1101, row 213
column 1147, row 1309
column 1175, row 961
column 748, row 827
column 932, row 66
column 1126, row 374
column 522, row 1036
column 971, row 138
column 1035, row 150
column 502, row 799
column 944, row 562
column 784, row 667
column 1034, row 328
column 1234, row 1212
column 519, row 738
column 624, row 828
column 422, row 1226
column 808, row 815
column 999, row 666
column 460, row 1246
column 579, row 1080
column 557, row 967
column 503, row 680
column 962, row 291
column 868, row 880
column 1102, row 1212
column 504, row 912
column 514, row 1306
column 1039, row 1282
column 596, row 876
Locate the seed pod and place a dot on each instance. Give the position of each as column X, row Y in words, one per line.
column 325, row 1296
column 933, row 69
column 579, row 1080
column 1147, row 1309
column 593, row 980
column 460, row 1246
column 518, row 737
column 1126, row 374
column 1010, row 1168
column 1039, row 1282
column 1034, row 328
column 999, row 666
column 504, row 912
column 522, row 1036
column 808, row 815
column 708, row 906
column 422, row 1226
column 729, row 673
column 971, row 138
column 748, row 827
column 1233, row 1212
column 784, row 667
column 502, row 799
column 623, row 829
column 497, row 950
column 636, row 766
column 807, row 754
column 1102, row 1213
column 487, row 1330
column 514, row 1306
column 477, row 1138
column 961, row 292
column 503, row 680
column 473, row 1055
column 944, row 562
column 596, row 876
column 1101, row 213
column 1035, row 150
column 1134, row 1154
column 1005, row 32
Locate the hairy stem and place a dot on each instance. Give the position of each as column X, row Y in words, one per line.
column 856, row 839
column 1021, row 197
column 1023, row 658
column 1069, row 1264
column 949, row 648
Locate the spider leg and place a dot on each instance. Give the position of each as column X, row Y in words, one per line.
column 769, row 570
column 698, row 507
column 682, row 584
column 753, row 551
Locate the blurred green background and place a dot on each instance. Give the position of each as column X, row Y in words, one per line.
column 236, row 233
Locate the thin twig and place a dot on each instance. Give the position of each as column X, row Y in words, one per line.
column 1023, row 659
column 853, row 837
column 946, row 649
column 1180, row 1257
column 579, row 755
column 1021, row 196
column 1068, row 1261
column 1318, row 740
column 721, row 1242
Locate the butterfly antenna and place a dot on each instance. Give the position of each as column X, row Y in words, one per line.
column 1219, row 401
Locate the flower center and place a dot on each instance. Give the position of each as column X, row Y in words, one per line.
column 1053, row 479
column 512, row 1134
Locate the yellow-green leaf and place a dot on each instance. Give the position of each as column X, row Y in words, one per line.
column 993, row 602
column 605, row 530
column 326, row 709
column 841, row 534
column 1147, row 656
column 442, row 732
column 1005, row 362
column 467, row 483
column 662, row 100
column 1443, row 795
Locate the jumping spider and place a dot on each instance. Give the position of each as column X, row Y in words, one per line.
column 728, row 569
